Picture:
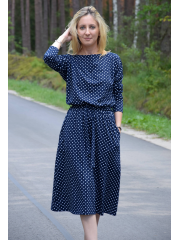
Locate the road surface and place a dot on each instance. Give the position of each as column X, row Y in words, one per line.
column 144, row 210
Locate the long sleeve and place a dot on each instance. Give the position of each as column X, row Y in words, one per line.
column 59, row 63
column 118, row 86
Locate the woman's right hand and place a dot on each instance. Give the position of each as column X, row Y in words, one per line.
column 66, row 36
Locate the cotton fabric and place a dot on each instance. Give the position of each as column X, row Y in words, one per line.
column 87, row 167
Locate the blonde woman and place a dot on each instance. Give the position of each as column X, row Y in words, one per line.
column 87, row 168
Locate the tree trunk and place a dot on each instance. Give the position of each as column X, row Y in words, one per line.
column 9, row 7
column 82, row 3
column 143, row 38
column 148, row 32
column 137, row 2
column 45, row 29
column 9, row 30
column 120, row 9
column 71, row 8
column 41, row 28
column 53, row 21
column 104, row 6
column 129, row 7
column 13, row 24
column 93, row 3
column 115, row 19
column 37, row 29
column 75, row 6
column 49, row 19
column 23, row 27
column 27, row 28
column 99, row 6
column 110, row 13
column 62, row 22
column 88, row 3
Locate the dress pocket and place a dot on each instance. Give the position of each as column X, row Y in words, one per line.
column 115, row 129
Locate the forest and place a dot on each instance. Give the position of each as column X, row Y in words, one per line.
column 139, row 32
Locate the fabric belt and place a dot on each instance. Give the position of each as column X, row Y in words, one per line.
column 91, row 106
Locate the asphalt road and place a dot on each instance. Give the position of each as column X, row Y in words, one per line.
column 144, row 210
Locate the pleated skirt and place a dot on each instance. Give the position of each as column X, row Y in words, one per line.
column 87, row 167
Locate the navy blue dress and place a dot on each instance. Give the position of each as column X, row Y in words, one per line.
column 87, row 167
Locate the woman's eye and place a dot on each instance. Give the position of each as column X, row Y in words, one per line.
column 90, row 27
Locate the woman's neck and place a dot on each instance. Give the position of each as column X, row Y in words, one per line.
column 88, row 50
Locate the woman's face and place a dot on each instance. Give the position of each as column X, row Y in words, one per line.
column 88, row 30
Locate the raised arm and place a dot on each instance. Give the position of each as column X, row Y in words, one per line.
column 65, row 37
column 57, row 62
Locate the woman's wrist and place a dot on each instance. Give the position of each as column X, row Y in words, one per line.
column 119, row 127
column 59, row 42
column 61, row 39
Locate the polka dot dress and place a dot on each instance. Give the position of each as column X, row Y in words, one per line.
column 87, row 167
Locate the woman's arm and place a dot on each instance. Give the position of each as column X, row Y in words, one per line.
column 65, row 37
column 57, row 44
column 117, row 91
column 59, row 63
column 118, row 119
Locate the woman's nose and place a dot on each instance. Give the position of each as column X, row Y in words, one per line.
column 87, row 30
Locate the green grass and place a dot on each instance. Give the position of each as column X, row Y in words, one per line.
column 38, row 93
column 131, row 117
column 147, row 122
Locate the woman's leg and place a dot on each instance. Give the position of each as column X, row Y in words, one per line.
column 89, row 223
column 97, row 218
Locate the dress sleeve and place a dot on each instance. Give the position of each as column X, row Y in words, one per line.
column 56, row 62
column 118, row 86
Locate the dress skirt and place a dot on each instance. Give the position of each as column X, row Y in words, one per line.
column 87, row 167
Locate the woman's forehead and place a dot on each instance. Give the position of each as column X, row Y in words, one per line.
column 87, row 20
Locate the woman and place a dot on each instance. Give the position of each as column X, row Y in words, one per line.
column 87, row 169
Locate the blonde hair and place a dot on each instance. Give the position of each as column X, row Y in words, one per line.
column 75, row 44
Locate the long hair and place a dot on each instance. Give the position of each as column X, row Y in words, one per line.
column 75, row 44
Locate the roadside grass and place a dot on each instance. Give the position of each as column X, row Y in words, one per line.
column 150, row 123
column 39, row 93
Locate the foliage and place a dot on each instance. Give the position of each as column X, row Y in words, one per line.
column 166, row 18
column 152, row 26
column 154, row 18
column 147, row 81
column 154, row 12
column 155, row 78
column 10, row 37
column 125, row 35
column 33, row 68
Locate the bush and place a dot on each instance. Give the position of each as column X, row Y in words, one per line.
column 34, row 69
column 147, row 82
